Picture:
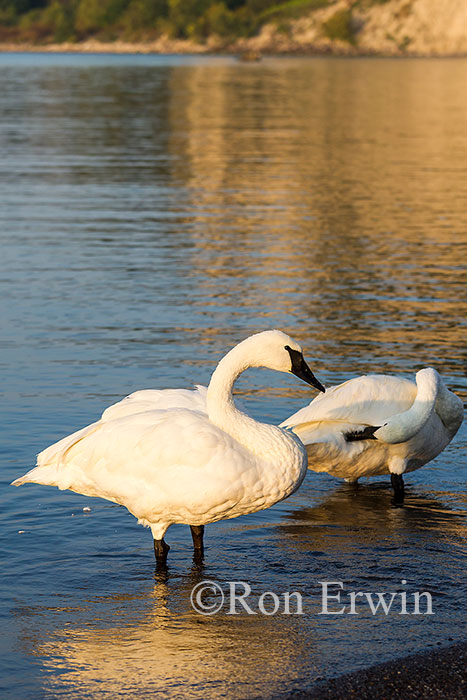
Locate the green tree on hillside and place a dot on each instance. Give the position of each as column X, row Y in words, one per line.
column 59, row 20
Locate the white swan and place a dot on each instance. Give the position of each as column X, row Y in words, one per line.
column 378, row 424
column 180, row 465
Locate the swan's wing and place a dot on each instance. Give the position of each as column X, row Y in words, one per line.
column 364, row 401
column 161, row 400
column 154, row 440
column 50, row 459
column 138, row 402
column 156, row 400
column 158, row 460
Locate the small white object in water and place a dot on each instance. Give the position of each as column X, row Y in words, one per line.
column 21, row 532
column 86, row 509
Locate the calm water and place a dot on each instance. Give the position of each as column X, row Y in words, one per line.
column 155, row 211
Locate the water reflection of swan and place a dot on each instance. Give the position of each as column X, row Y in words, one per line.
column 181, row 466
column 150, row 641
column 360, row 517
column 378, row 424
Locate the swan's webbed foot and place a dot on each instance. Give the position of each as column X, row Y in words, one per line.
column 197, row 533
column 397, row 483
column 161, row 549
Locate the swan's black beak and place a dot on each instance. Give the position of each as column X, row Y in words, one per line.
column 301, row 369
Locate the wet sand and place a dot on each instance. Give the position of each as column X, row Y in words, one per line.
column 441, row 673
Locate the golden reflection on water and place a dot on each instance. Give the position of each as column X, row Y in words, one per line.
column 335, row 187
column 178, row 653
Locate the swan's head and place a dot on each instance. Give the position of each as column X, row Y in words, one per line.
column 427, row 374
column 276, row 350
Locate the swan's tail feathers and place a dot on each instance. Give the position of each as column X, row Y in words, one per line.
column 45, row 475
column 50, row 462
column 54, row 454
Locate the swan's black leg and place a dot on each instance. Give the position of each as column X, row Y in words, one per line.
column 397, row 483
column 197, row 533
column 353, row 484
column 161, row 549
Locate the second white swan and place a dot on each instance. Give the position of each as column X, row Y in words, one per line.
column 378, row 424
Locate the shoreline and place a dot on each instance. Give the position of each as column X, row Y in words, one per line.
column 242, row 49
column 427, row 675
column 393, row 28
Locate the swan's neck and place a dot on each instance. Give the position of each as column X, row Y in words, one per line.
column 219, row 397
column 450, row 409
column 258, row 438
column 403, row 426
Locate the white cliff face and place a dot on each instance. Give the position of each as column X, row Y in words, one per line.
column 427, row 27
column 395, row 27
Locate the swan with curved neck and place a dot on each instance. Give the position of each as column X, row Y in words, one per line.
column 180, row 465
column 378, row 424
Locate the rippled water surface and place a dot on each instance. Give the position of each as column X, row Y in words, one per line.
column 155, row 211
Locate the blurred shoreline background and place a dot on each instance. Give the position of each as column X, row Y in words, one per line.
column 247, row 27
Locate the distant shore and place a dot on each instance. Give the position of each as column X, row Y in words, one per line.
column 243, row 48
column 246, row 49
column 419, row 28
column 160, row 46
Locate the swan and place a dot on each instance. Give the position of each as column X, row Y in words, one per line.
column 182, row 465
column 378, row 424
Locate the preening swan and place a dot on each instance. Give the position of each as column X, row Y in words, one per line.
column 378, row 424
column 182, row 465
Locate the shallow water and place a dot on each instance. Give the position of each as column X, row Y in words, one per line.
column 155, row 211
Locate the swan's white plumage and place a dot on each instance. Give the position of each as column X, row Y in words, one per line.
column 137, row 402
column 178, row 464
column 417, row 421
column 158, row 399
column 367, row 400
